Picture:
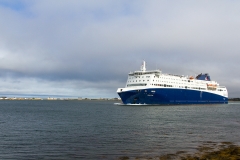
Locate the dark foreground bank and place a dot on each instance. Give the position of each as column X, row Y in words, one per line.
column 207, row 151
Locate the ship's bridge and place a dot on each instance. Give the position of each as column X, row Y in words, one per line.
column 144, row 71
column 137, row 73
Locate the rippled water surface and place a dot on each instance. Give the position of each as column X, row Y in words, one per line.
column 101, row 130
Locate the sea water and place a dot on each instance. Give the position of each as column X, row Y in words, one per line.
column 101, row 130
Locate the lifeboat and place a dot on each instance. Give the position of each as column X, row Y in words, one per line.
column 211, row 85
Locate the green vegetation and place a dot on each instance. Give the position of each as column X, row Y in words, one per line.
column 234, row 99
column 231, row 152
column 52, row 98
column 207, row 151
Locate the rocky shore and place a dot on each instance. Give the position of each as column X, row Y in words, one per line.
column 207, row 151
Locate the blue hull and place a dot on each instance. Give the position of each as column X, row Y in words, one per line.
column 165, row 96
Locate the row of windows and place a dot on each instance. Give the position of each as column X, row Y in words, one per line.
column 212, row 89
column 163, row 82
column 139, row 84
column 169, row 82
column 154, row 77
column 138, row 80
column 165, row 85
column 157, row 77
column 142, row 73
column 163, row 78
column 199, row 88
column 158, row 81
column 138, row 77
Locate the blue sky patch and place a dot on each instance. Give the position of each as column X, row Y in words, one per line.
column 16, row 5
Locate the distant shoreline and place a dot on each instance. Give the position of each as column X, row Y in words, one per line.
column 62, row 99
column 78, row 99
column 234, row 99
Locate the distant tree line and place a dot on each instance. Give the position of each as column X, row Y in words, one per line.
column 234, row 99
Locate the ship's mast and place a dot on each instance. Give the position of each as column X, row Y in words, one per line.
column 143, row 67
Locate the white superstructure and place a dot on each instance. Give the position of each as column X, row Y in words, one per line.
column 143, row 79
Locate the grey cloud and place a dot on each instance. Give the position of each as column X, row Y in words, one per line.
column 100, row 42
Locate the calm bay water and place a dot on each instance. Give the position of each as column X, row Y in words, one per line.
column 101, row 130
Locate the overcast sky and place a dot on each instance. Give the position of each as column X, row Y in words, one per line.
column 86, row 48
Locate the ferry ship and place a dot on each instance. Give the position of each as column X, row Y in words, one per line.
column 156, row 88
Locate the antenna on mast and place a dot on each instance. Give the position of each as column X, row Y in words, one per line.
column 143, row 67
